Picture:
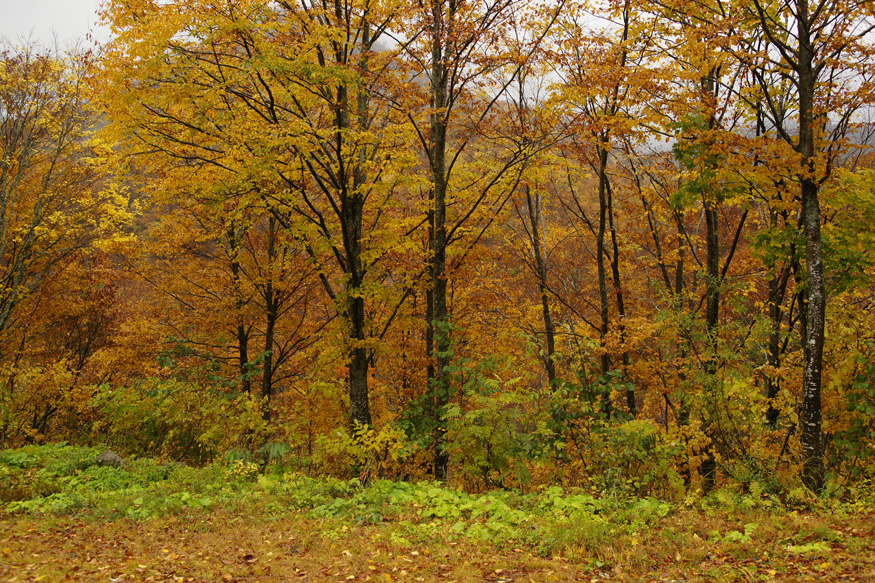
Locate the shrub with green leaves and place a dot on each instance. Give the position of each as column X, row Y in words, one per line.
column 177, row 420
column 495, row 439
column 852, row 455
column 63, row 479
column 634, row 457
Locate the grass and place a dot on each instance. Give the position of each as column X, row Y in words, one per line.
column 64, row 518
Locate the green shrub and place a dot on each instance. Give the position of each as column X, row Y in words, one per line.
column 852, row 451
column 179, row 421
column 631, row 458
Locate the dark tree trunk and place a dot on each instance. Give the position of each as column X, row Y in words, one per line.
column 241, row 331
column 439, row 323
column 243, row 358
column 683, row 409
column 533, row 201
column 712, row 286
column 359, row 400
column 713, row 283
column 271, row 307
column 708, row 470
column 352, row 203
column 777, row 293
column 604, row 315
column 621, row 304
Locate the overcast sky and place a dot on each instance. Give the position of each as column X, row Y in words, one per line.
column 69, row 20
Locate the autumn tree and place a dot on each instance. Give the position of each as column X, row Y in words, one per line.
column 236, row 292
column 605, row 73
column 55, row 212
column 823, row 50
column 790, row 64
column 461, row 68
column 48, row 172
column 275, row 102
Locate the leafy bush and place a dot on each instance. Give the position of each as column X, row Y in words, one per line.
column 493, row 441
column 39, row 402
column 63, row 479
column 852, row 456
column 635, row 457
column 177, row 420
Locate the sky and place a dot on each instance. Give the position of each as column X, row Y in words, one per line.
column 42, row 20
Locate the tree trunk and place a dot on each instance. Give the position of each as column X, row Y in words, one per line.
column 534, row 205
column 810, row 417
column 708, row 469
column 352, row 204
column 777, row 293
column 683, row 408
column 359, row 399
column 272, row 312
column 712, row 286
column 600, row 263
column 241, row 331
column 621, row 304
column 439, row 324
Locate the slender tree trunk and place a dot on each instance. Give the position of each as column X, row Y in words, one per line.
column 713, row 283
column 621, row 304
column 708, row 469
column 241, row 332
column 710, row 203
column 352, row 204
column 660, row 257
column 712, row 286
column 604, row 314
column 615, row 261
column 684, row 331
column 243, row 358
column 272, row 312
column 359, row 399
column 431, row 405
column 533, row 202
column 776, row 316
column 777, row 293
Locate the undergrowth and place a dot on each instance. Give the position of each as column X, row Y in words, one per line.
column 61, row 479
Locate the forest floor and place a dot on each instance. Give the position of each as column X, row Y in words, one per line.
column 214, row 547
column 70, row 521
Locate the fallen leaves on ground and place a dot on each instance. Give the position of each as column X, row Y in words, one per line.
column 210, row 548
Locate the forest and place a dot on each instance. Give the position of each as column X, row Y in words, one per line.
column 622, row 245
